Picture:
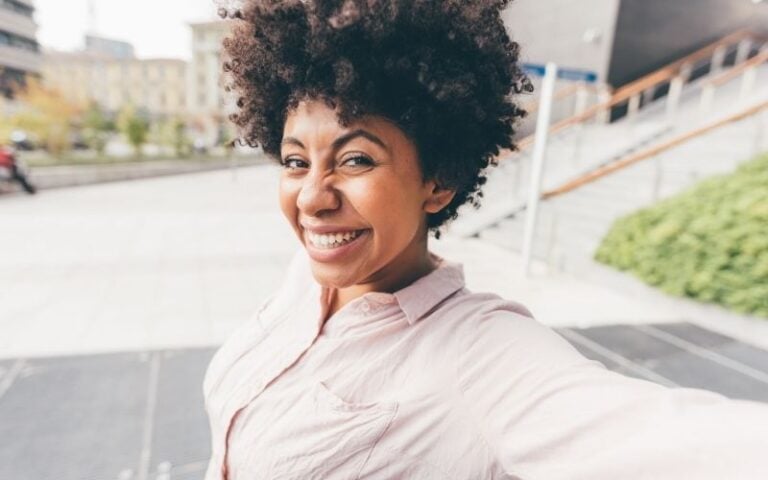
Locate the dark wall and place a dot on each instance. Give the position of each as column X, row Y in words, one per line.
column 653, row 33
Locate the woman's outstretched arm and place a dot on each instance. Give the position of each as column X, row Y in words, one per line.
column 549, row 413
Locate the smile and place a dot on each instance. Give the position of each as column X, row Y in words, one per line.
column 327, row 241
column 334, row 246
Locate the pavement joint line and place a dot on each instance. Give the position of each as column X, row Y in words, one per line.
column 722, row 360
column 149, row 416
column 190, row 467
column 11, row 375
column 621, row 360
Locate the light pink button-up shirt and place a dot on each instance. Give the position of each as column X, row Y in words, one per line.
column 437, row 382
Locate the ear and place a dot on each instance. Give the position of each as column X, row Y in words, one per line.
column 437, row 197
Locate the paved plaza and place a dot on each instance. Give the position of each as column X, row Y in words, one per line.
column 139, row 415
column 113, row 297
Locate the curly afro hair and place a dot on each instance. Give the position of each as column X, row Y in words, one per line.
column 442, row 70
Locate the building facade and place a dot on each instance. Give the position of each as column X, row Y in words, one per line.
column 19, row 51
column 205, row 99
column 154, row 86
column 653, row 33
column 622, row 40
column 617, row 41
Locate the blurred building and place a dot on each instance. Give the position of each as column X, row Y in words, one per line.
column 106, row 46
column 155, row 86
column 19, row 51
column 621, row 40
column 205, row 99
column 615, row 41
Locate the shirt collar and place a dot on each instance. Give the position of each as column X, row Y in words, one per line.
column 423, row 295
column 415, row 300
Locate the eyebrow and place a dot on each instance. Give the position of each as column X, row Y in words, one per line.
column 339, row 142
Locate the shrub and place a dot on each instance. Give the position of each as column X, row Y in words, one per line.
column 708, row 243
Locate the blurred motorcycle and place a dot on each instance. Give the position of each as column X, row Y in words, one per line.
column 13, row 170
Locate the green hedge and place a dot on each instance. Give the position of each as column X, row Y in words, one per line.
column 709, row 243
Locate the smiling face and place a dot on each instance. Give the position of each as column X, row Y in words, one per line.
column 356, row 198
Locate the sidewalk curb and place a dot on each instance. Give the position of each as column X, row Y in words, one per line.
column 48, row 178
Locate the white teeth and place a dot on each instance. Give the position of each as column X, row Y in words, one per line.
column 331, row 240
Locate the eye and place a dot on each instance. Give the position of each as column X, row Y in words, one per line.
column 358, row 161
column 293, row 163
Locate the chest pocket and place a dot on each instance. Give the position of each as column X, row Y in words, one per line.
column 323, row 437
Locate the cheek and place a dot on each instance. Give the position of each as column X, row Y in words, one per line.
column 390, row 207
column 287, row 193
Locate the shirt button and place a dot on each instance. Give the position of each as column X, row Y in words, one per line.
column 365, row 307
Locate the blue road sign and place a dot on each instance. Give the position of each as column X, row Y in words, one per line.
column 570, row 74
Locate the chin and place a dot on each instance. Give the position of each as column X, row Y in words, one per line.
column 331, row 277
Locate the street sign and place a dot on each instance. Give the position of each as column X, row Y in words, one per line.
column 569, row 74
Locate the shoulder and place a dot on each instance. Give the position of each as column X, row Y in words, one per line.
column 483, row 305
column 471, row 314
column 486, row 329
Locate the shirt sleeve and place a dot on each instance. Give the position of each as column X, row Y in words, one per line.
column 550, row 413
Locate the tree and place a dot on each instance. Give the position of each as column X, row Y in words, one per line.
column 96, row 128
column 174, row 134
column 135, row 128
column 44, row 114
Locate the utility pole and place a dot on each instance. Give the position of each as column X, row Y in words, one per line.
column 539, row 154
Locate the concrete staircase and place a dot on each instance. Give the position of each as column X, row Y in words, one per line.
column 571, row 226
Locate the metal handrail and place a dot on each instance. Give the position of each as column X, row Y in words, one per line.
column 562, row 93
column 734, row 72
column 650, row 152
column 633, row 90
column 670, row 71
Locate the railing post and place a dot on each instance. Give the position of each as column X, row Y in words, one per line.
column 707, row 97
column 634, row 106
column 742, row 51
column 582, row 97
column 648, row 95
column 604, row 96
column 685, row 72
column 539, row 152
column 673, row 97
column 747, row 83
column 718, row 57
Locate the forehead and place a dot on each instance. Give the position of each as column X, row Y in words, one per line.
column 315, row 121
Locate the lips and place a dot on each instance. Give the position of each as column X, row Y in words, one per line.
column 327, row 228
column 333, row 245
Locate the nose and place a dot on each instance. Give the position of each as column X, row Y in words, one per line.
column 317, row 195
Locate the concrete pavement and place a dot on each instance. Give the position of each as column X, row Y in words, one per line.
column 180, row 261
column 114, row 296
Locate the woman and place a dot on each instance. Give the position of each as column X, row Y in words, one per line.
column 373, row 360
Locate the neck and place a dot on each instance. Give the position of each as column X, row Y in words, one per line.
column 408, row 267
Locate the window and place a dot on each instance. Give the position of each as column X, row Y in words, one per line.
column 17, row 7
column 13, row 40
